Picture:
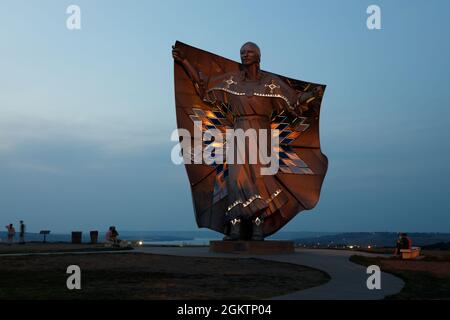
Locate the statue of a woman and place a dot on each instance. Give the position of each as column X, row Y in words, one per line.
column 252, row 96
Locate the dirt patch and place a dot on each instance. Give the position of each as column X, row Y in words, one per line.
column 53, row 247
column 438, row 268
column 424, row 280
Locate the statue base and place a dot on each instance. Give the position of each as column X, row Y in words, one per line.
column 252, row 247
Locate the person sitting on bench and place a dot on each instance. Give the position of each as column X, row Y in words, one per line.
column 111, row 237
column 403, row 242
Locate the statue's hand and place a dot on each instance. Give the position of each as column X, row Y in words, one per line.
column 318, row 92
column 178, row 55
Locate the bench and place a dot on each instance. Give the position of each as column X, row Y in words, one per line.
column 412, row 253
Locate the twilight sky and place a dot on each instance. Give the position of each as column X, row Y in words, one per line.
column 86, row 116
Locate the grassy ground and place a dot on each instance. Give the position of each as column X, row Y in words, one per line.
column 427, row 278
column 145, row 276
column 39, row 247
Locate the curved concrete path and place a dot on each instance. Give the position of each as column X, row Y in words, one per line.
column 348, row 280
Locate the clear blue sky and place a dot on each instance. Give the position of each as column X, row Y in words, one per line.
column 86, row 116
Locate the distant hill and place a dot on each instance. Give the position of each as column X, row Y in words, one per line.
column 380, row 239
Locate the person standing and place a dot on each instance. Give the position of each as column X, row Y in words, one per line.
column 11, row 233
column 22, row 233
column 114, row 235
column 108, row 235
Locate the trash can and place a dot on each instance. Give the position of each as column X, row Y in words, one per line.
column 76, row 237
column 94, row 237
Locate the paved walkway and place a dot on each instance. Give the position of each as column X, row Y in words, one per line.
column 348, row 280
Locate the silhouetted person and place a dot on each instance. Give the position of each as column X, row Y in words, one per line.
column 398, row 245
column 406, row 241
column 11, row 233
column 108, row 235
column 22, row 233
column 114, row 235
column 403, row 242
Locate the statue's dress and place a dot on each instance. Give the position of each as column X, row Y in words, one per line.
column 226, row 99
column 251, row 104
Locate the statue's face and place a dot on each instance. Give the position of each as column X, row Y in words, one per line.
column 249, row 55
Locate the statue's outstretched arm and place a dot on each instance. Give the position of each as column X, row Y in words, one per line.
column 198, row 79
column 306, row 97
